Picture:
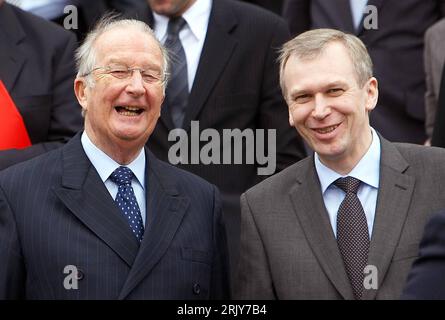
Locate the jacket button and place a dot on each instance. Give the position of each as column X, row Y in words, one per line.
column 80, row 275
column 196, row 289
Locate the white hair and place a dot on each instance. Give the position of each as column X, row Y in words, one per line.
column 86, row 53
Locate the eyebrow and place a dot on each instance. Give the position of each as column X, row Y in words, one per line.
column 150, row 66
column 325, row 87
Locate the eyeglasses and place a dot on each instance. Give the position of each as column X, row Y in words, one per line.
column 123, row 72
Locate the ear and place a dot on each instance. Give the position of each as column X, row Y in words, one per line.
column 291, row 119
column 372, row 92
column 80, row 88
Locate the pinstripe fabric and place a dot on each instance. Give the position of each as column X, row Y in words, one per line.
column 55, row 211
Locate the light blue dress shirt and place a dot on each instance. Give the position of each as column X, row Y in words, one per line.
column 357, row 8
column 48, row 9
column 105, row 166
column 367, row 171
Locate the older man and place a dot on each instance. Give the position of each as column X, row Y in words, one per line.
column 102, row 218
column 344, row 223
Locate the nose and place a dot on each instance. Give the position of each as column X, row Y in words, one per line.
column 136, row 84
column 322, row 108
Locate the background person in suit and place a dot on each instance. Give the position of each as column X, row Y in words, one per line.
column 438, row 139
column 310, row 231
column 434, row 57
column 395, row 46
column 38, row 69
column 232, row 83
column 87, row 14
column 161, row 238
column 426, row 279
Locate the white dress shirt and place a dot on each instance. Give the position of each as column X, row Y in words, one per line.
column 105, row 166
column 357, row 8
column 367, row 171
column 192, row 36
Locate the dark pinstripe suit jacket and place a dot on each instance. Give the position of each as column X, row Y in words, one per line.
column 55, row 211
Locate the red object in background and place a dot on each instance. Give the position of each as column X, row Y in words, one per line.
column 13, row 134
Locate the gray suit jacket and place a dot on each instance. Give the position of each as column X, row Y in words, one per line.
column 288, row 248
column 434, row 57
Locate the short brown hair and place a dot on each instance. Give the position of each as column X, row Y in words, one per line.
column 310, row 44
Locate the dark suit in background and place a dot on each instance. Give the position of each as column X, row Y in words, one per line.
column 396, row 49
column 69, row 218
column 236, row 86
column 438, row 139
column 37, row 67
column 272, row 5
column 87, row 14
column 427, row 277
column 434, row 56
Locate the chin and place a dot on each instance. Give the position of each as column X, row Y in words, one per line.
column 163, row 9
column 329, row 151
column 129, row 136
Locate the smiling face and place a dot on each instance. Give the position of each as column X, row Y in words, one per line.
column 329, row 108
column 120, row 114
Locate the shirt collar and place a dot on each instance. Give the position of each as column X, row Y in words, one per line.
column 197, row 18
column 367, row 169
column 105, row 165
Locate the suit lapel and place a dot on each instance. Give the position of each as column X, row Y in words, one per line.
column 11, row 57
column 309, row 207
column 394, row 197
column 218, row 47
column 165, row 211
column 85, row 195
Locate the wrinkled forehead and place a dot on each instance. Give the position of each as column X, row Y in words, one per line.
column 127, row 44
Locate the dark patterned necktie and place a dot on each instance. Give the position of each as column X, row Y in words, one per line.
column 352, row 234
column 177, row 91
column 126, row 200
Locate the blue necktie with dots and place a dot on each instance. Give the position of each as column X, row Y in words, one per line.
column 126, row 200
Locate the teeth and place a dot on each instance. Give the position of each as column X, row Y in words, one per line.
column 327, row 129
column 129, row 110
column 128, row 113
